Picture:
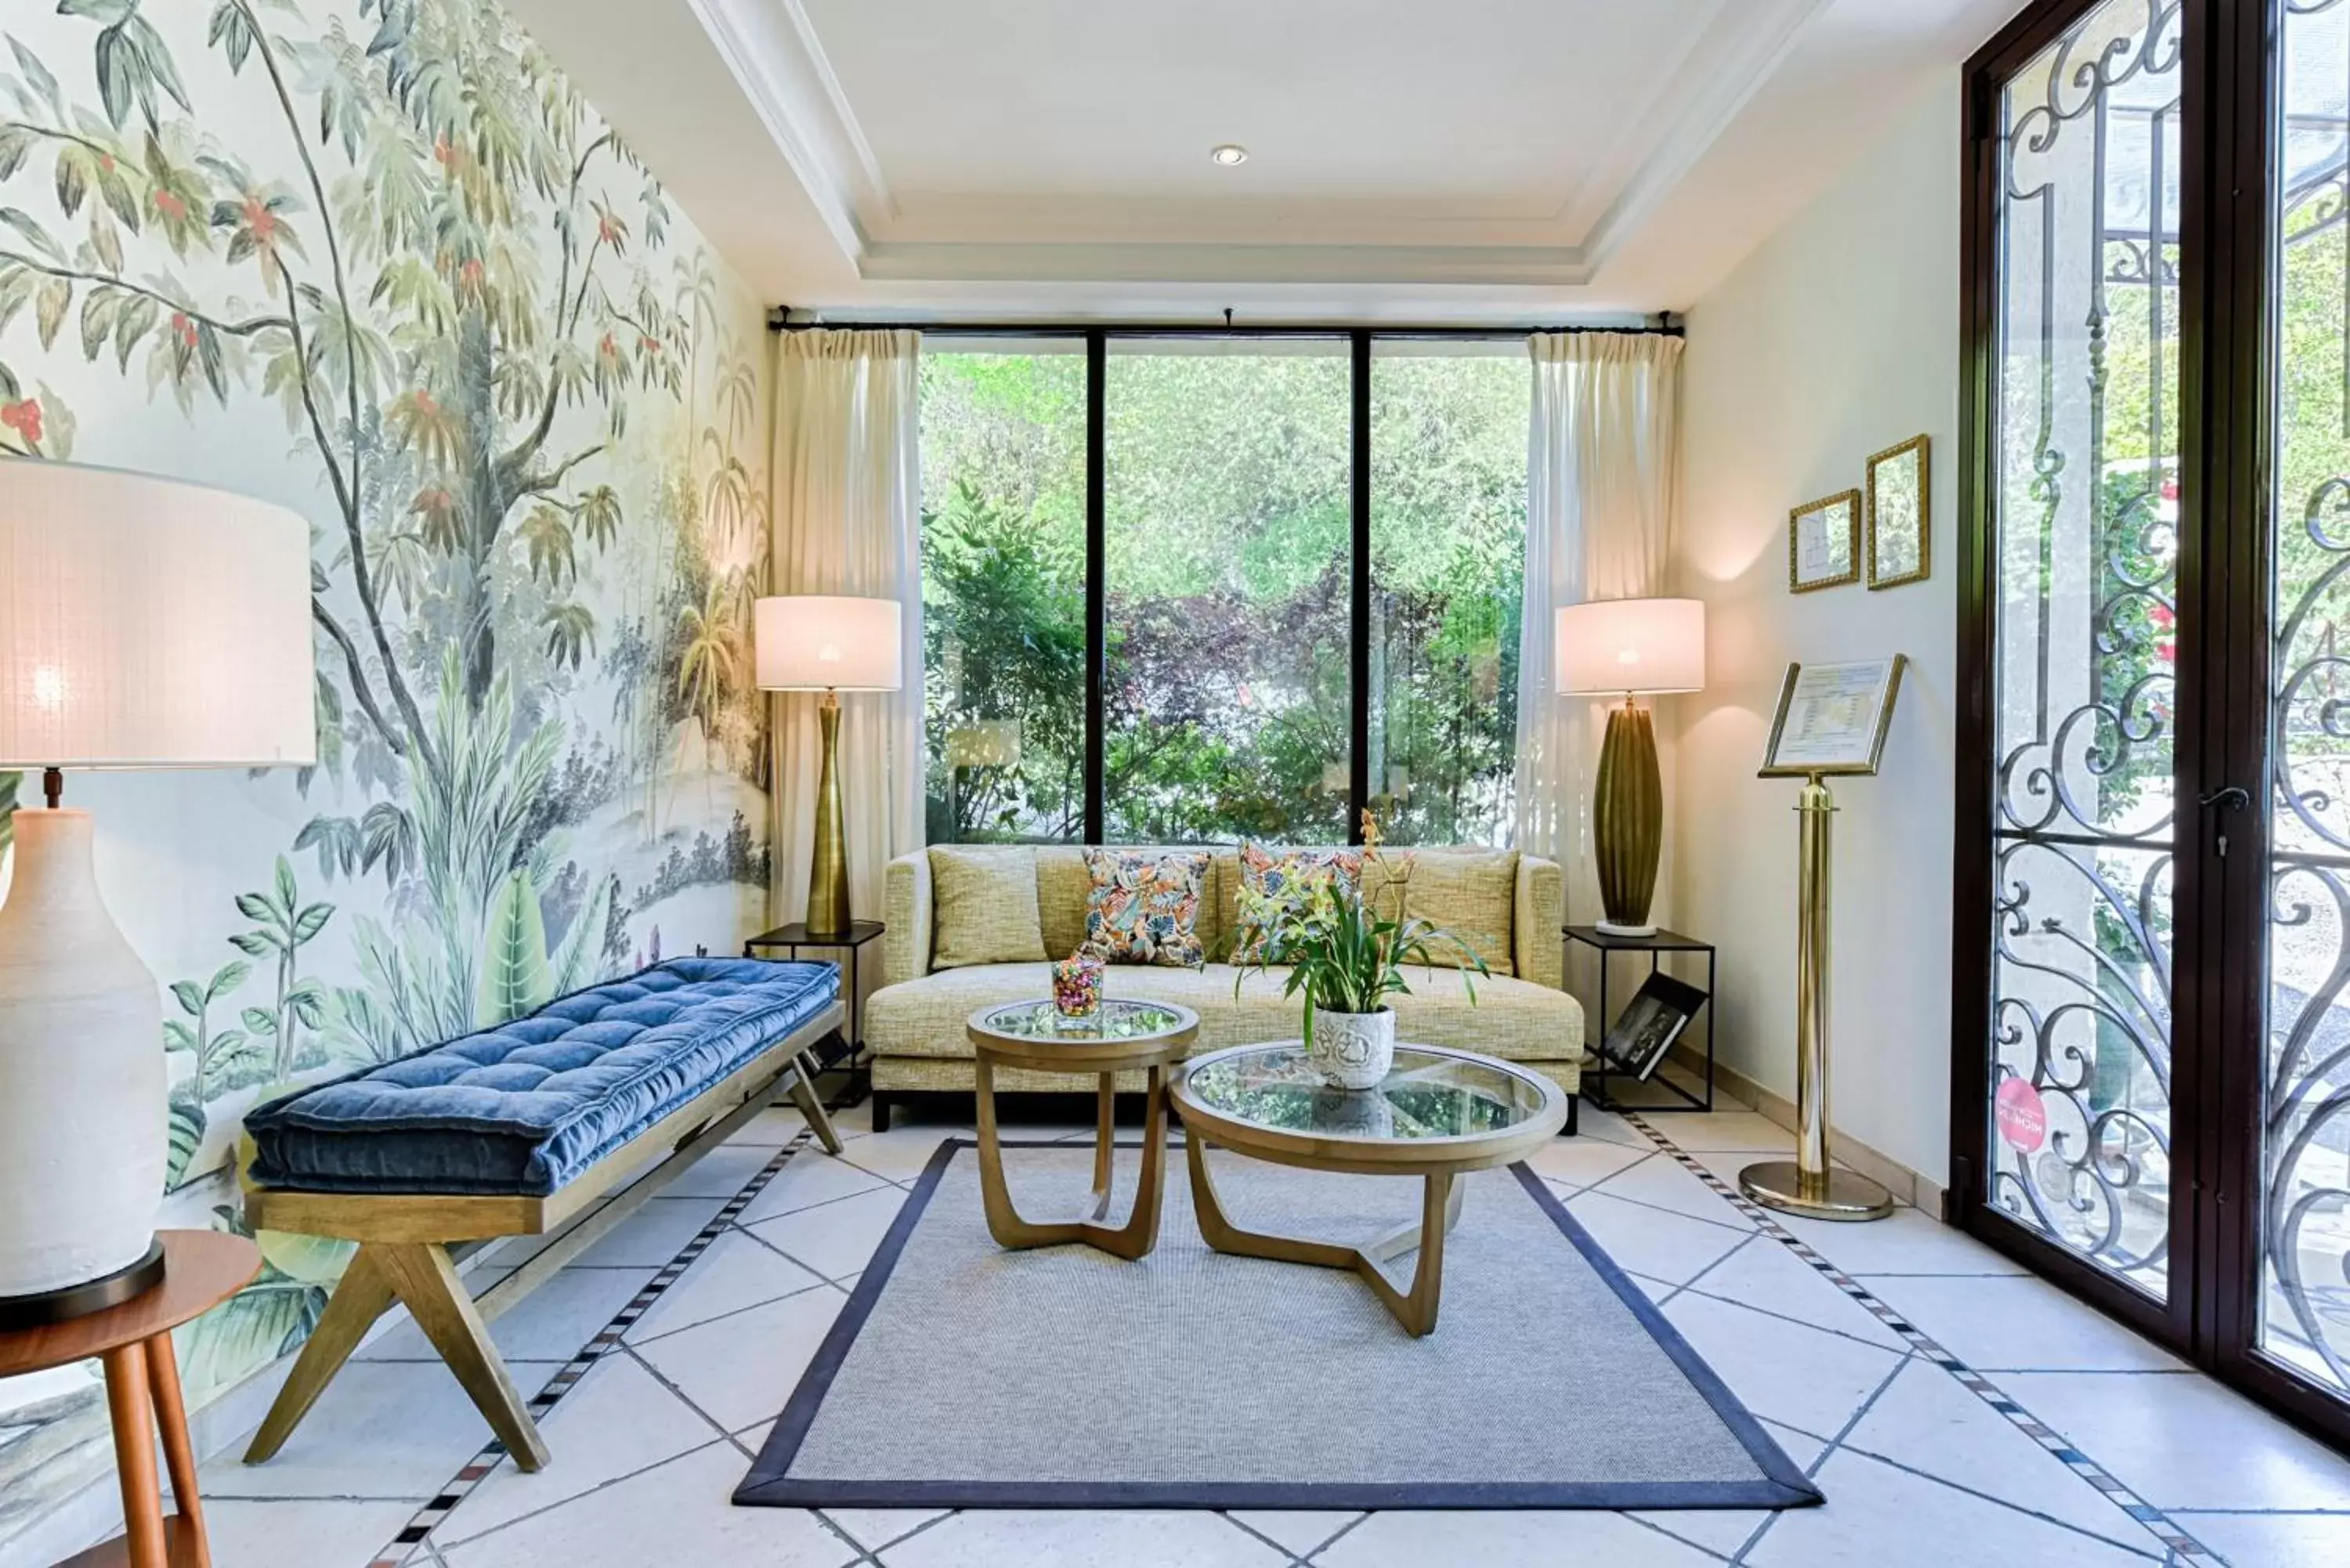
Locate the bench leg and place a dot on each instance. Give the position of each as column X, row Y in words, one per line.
column 358, row 1300
column 811, row 1106
column 426, row 1281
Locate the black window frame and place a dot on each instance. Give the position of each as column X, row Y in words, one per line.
column 1097, row 338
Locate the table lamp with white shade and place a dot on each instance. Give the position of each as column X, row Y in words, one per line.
column 1629, row 648
column 143, row 624
column 829, row 643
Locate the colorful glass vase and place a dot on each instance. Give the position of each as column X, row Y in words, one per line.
column 1077, row 983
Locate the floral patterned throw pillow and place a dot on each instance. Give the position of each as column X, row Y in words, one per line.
column 1144, row 906
column 1270, row 877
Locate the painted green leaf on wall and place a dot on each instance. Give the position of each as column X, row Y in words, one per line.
column 512, row 384
column 515, row 974
column 188, row 1123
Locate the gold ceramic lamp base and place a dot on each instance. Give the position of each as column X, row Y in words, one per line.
column 1832, row 1195
column 1628, row 821
column 828, row 904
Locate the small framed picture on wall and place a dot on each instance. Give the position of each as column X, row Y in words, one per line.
column 1900, row 530
column 1824, row 543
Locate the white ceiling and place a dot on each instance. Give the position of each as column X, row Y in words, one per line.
column 1481, row 160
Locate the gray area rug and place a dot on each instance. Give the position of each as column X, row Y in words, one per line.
column 963, row 1375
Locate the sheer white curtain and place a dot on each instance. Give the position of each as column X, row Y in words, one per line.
column 1602, row 470
column 846, row 519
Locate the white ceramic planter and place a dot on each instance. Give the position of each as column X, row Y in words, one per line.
column 1352, row 1049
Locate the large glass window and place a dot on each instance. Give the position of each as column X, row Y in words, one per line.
column 1448, row 561
column 1228, row 538
column 1224, row 572
column 1003, row 590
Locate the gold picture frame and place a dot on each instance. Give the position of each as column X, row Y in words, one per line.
column 1900, row 514
column 1824, row 543
column 1842, row 714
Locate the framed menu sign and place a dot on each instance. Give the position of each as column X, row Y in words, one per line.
column 1832, row 717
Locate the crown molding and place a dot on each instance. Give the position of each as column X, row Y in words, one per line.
column 1113, row 262
column 772, row 48
column 1684, row 129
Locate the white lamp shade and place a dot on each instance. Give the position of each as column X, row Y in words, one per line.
column 985, row 744
column 147, row 623
column 1631, row 645
column 816, row 642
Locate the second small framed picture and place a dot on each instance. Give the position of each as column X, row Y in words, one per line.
column 1901, row 525
column 1824, row 543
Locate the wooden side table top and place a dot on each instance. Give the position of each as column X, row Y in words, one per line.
column 201, row 1269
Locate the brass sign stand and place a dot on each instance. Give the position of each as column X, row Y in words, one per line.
column 1832, row 719
column 1809, row 1185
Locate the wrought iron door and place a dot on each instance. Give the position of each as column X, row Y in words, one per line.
column 2151, row 989
column 2080, row 564
column 2300, row 1326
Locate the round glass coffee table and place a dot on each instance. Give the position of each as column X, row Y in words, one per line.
column 1119, row 1036
column 1438, row 1114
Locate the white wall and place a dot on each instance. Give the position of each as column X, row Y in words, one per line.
column 1836, row 338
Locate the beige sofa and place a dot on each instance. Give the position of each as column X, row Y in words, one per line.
column 914, row 1022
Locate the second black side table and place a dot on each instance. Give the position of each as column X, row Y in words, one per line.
column 1595, row 1082
column 795, row 936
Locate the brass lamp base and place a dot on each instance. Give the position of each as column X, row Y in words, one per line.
column 1832, row 1195
column 827, row 903
column 1628, row 821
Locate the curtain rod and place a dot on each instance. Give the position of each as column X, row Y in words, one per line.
column 778, row 320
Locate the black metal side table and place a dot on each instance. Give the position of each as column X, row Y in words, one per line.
column 796, row 936
column 1595, row 1080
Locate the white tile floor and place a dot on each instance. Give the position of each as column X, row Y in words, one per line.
column 1919, row 1469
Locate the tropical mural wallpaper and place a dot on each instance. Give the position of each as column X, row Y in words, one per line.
column 379, row 260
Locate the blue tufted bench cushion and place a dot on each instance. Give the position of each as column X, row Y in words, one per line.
column 526, row 1106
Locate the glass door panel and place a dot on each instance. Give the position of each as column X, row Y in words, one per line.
column 2304, row 1215
column 2084, row 568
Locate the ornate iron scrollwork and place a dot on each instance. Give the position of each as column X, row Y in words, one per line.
column 2084, row 824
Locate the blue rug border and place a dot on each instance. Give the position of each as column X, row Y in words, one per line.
column 768, row 1484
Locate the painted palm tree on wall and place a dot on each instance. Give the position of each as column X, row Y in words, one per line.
column 394, row 298
column 527, row 397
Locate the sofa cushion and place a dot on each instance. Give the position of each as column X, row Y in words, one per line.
column 1270, row 874
column 1061, row 884
column 526, row 1106
column 1143, row 907
column 1510, row 1018
column 985, row 898
column 1470, row 893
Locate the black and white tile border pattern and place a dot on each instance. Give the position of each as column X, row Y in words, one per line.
column 409, row 1545
column 412, row 1547
column 2183, row 1547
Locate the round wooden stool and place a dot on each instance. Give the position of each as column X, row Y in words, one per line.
column 203, row 1269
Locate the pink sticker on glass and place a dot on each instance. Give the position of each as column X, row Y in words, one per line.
column 2020, row 1115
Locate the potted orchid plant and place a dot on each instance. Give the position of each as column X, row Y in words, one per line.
column 1345, row 959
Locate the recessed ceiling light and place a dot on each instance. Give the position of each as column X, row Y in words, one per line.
column 1228, row 154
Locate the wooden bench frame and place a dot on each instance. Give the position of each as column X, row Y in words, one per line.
column 405, row 1241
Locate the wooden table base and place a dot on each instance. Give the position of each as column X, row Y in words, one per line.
column 143, row 1401
column 1139, row 1235
column 1415, row 1309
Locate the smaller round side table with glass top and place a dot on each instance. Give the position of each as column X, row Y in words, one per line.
column 1438, row 1114
column 1119, row 1036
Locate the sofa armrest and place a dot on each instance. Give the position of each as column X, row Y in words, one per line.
column 905, row 945
column 1537, row 945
